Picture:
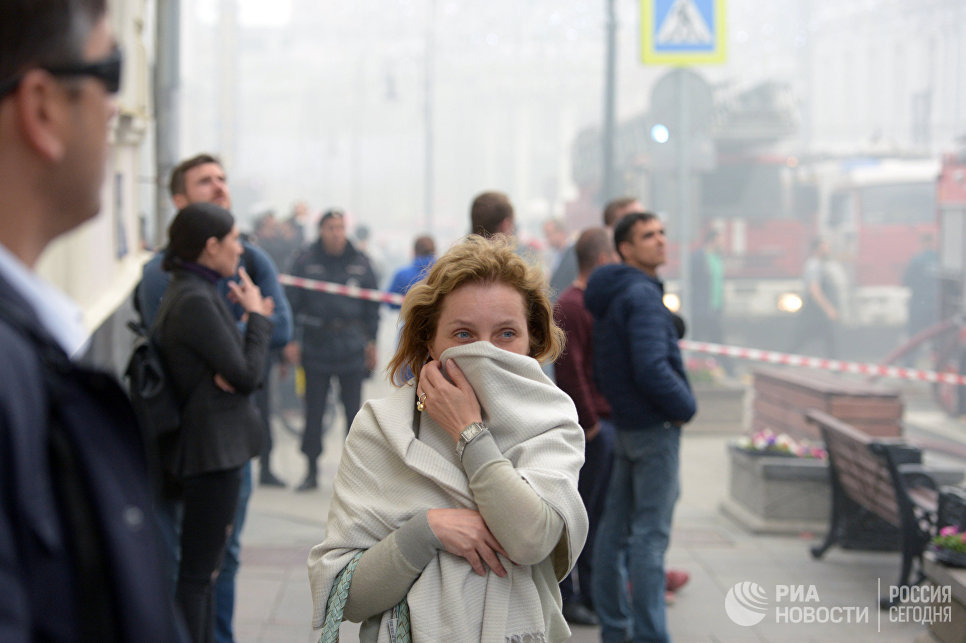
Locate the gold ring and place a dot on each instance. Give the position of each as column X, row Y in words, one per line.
column 420, row 405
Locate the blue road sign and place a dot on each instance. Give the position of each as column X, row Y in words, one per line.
column 683, row 32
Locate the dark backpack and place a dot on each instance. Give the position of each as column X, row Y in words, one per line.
column 149, row 387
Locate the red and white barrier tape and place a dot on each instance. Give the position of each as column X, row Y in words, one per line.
column 772, row 357
column 341, row 289
column 753, row 354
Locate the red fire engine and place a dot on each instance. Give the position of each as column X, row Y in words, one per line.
column 769, row 203
column 950, row 334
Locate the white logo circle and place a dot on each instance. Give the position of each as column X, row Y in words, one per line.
column 746, row 603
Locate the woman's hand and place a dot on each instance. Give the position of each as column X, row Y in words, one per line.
column 453, row 406
column 248, row 295
column 463, row 533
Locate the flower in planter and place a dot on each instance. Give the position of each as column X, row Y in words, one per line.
column 703, row 369
column 767, row 442
column 950, row 538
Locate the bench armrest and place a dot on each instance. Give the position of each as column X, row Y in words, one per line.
column 915, row 475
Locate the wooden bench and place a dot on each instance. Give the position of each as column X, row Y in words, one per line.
column 782, row 396
column 880, row 477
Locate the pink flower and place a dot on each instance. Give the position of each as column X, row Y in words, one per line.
column 948, row 530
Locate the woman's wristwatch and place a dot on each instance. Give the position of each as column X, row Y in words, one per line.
column 470, row 433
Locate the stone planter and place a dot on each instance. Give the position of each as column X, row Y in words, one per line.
column 953, row 629
column 772, row 494
column 721, row 408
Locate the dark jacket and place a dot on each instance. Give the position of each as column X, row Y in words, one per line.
column 199, row 339
column 637, row 362
column 43, row 593
column 260, row 267
column 333, row 329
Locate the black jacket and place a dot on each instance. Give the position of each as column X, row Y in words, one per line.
column 333, row 329
column 199, row 339
column 45, row 594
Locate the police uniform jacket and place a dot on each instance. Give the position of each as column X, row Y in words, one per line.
column 334, row 329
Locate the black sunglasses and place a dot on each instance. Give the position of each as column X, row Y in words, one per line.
column 107, row 70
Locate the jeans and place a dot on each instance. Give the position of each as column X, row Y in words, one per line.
column 169, row 512
column 210, row 500
column 592, row 485
column 225, row 585
column 637, row 514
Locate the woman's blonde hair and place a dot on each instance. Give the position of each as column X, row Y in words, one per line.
column 474, row 260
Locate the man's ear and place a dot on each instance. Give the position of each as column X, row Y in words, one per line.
column 41, row 111
column 180, row 200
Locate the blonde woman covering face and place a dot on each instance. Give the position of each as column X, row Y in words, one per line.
column 455, row 510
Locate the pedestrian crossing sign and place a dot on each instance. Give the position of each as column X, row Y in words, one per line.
column 683, row 32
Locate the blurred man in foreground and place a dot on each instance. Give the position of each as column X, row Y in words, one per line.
column 79, row 557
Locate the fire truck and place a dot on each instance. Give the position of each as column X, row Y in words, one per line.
column 949, row 336
column 873, row 210
column 765, row 211
column 770, row 201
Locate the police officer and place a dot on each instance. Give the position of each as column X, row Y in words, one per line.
column 335, row 335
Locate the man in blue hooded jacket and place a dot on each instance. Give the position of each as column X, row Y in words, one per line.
column 638, row 368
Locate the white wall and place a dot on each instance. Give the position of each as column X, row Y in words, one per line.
column 98, row 264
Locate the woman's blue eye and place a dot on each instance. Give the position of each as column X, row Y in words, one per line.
column 509, row 334
column 462, row 334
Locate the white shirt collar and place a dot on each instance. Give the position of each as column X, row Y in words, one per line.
column 61, row 317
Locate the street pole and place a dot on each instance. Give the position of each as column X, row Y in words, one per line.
column 228, row 64
column 684, row 189
column 428, row 90
column 166, row 113
column 610, row 89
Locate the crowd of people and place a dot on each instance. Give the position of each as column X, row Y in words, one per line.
column 93, row 548
column 546, row 501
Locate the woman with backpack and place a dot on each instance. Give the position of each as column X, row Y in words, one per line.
column 213, row 369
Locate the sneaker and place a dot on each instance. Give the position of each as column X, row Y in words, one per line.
column 268, row 479
column 576, row 613
column 675, row 579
